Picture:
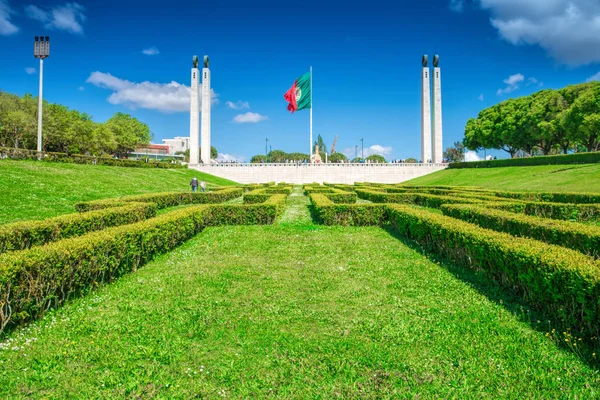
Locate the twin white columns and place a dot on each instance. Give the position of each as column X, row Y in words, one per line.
column 194, row 114
column 431, row 136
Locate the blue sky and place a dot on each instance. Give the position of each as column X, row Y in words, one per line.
column 135, row 57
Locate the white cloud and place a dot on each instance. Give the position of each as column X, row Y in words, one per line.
column 30, row 70
column 472, row 156
column 224, row 157
column 81, row 88
column 249, row 117
column 569, row 30
column 481, row 97
column 239, row 105
column 374, row 149
column 164, row 97
column 151, row 51
column 67, row 17
column 595, row 77
column 457, row 5
column 6, row 27
column 513, row 84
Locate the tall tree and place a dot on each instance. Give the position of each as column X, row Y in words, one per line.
column 455, row 153
column 129, row 132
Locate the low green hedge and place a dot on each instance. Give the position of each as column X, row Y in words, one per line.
column 23, row 235
column 246, row 214
column 164, row 200
column 562, row 211
column 563, row 282
column 583, row 238
column 33, row 280
column 256, row 196
column 425, row 200
column 22, row 154
column 342, row 198
column 562, row 159
column 279, row 190
column 329, row 213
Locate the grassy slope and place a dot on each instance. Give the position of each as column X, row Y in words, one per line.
column 292, row 311
column 558, row 178
column 34, row 190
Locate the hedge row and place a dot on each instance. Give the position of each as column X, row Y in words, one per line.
column 256, row 196
column 33, row 280
column 246, row 214
column 425, row 200
column 578, row 158
column 561, row 211
column 342, row 198
column 329, row 213
column 279, row 190
column 563, row 282
column 583, row 238
column 22, row 154
column 23, row 235
column 164, row 200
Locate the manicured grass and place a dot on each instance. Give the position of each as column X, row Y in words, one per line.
column 293, row 310
column 545, row 178
column 38, row 190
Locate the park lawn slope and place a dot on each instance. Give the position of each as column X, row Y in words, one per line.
column 327, row 312
column 38, row 190
column 543, row 178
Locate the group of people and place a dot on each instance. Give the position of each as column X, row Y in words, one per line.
column 194, row 184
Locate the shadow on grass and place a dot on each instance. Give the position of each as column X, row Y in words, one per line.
column 588, row 350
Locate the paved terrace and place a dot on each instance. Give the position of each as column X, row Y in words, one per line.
column 308, row 173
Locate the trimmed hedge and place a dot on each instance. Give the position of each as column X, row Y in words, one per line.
column 34, row 280
column 164, row 200
column 342, row 198
column 329, row 213
column 246, row 214
column 23, row 235
column 563, row 282
column 22, row 154
column 561, row 211
column 425, row 200
column 578, row 158
column 256, row 196
column 583, row 238
column 279, row 190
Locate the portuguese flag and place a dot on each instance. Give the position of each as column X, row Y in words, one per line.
column 299, row 94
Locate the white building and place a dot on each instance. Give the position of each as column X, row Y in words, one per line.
column 177, row 144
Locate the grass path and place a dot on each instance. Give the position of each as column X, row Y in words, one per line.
column 293, row 310
column 296, row 211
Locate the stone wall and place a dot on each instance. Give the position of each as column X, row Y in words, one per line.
column 330, row 173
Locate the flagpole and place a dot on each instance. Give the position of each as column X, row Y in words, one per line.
column 311, row 97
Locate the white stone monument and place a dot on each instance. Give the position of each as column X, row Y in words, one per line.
column 438, row 152
column 205, row 156
column 425, row 113
column 194, row 114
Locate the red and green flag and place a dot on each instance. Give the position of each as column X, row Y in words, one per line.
column 299, row 94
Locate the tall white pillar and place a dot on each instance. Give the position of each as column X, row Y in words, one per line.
column 194, row 115
column 205, row 156
column 425, row 113
column 437, row 113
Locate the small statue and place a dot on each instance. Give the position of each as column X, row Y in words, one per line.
column 205, row 61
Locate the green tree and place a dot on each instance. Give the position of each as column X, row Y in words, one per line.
column 455, row 153
column 301, row 157
column 277, row 156
column 129, row 133
column 411, row 160
column 322, row 146
column 257, row 159
column 337, row 157
column 376, row 158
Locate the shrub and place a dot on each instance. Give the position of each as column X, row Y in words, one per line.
column 578, row 158
column 583, row 238
column 279, row 190
column 256, row 196
column 23, row 235
column 342, row 198
column 425, row 200
column 562, row 211
column 246, row 214
column 563, row 282
column 33, row 280
column 329, row 213
column 164, row 200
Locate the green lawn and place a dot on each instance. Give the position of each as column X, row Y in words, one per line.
column 36, row 190
column 293, row 310
column 545, row 178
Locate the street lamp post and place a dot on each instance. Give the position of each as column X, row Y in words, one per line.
column 356, row 151
column 41, row 50
column 266, row 152
column 362, row 149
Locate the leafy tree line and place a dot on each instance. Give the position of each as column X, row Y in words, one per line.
column 67, row 131
column 280, row 156
column 546, row 122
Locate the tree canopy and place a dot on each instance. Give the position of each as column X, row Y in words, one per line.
column 65, row 130
column 546, row 122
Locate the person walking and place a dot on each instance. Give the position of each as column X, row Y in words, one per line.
column 194, row 184
column 203, row 186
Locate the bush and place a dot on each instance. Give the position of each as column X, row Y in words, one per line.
column 329, row 213
column 578, row 158
column 33, row 280
column 342, row 198
column 164, row 200
column 583, row 238
column 562, row 211
column 425, row 200
column 256, row 196
column 279, row 190
column 246, row 214
column 22, row 154
column 563, row 282
column 23, row 235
